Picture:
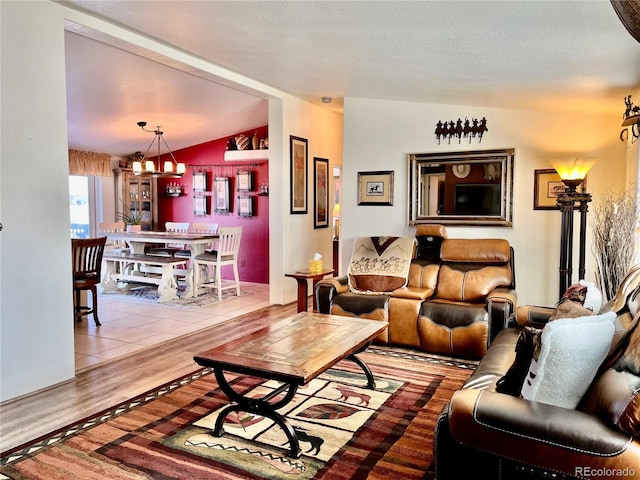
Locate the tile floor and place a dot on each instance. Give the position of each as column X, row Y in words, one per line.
column 129, row 326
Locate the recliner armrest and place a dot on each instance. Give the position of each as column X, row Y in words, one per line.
column 341, row 284
column 328, row 288
column 531, row 315
column 538, row 434
column 501, row 304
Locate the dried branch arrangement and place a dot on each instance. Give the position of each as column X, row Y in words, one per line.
column 614, row 221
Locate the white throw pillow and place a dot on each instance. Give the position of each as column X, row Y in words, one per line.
column 571, row 352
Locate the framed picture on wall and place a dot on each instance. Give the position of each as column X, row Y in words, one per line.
column 546, row 188
column 222, row 196
column 375, row 188
column 200, row 205
column 321, row 193
column 199, row 181
column 245, row 206
column 298, row 152
column 245, row 181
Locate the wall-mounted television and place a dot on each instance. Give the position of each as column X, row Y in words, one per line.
column 477, row 199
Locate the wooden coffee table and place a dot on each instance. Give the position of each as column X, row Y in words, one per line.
column 292, row 351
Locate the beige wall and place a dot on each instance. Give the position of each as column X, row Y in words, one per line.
column 378, row 135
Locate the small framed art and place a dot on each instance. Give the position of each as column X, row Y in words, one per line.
column 245, row 206
column 222, row 195
column 546, row 188
column 200, row 205
column 375, row 188
column 298, row 152
column 245, row 181
column 199, row 181
column 321, row 193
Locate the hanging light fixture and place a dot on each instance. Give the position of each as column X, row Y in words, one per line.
column 145, row 165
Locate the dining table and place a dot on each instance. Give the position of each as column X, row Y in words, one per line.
column 137, row 241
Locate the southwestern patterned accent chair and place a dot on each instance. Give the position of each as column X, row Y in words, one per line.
column 455, row 298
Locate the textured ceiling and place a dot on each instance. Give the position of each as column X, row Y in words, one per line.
column 550, row 55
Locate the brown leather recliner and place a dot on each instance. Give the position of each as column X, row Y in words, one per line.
column 460, row 293
column 484, row 433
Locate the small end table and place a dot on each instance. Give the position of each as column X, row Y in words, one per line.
column 301, row 277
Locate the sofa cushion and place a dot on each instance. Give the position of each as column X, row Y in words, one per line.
column 380, row 265
column 470, row 286
column 468, row 250
column 571, row 353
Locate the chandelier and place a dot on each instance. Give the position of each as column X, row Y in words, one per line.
column 147, row 166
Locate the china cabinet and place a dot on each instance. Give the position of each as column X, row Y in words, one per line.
column 138, row 193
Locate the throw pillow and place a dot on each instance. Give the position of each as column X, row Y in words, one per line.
column 511, row 382
column 528, row 347
column 570, row 354
column 593, row 299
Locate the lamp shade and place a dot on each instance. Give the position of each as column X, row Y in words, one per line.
column 336, row 211
column 573, row 168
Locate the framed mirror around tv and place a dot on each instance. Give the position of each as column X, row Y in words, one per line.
column 472, row 188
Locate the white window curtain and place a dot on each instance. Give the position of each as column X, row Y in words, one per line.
column 89, row 163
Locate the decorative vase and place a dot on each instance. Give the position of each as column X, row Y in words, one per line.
column 255, row 141
column 134, row 228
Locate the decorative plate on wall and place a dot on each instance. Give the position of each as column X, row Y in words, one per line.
column 461, row 170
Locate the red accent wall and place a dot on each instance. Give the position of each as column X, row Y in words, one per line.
column 253, row 258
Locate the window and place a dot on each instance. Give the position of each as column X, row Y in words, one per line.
column 82, row 205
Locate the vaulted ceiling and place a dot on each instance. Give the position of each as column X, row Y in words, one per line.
column 548, row 55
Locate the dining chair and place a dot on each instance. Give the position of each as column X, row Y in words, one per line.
column 114, row 245
column 225, row 253
column 86, row 254
column 199, row 227
column 170, row 248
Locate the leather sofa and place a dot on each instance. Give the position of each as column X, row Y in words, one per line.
column 484, row 433
column 459, row 294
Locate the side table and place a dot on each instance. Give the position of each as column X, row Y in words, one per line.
column 301, row 277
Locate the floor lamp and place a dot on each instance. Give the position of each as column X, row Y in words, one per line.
column 572, row 173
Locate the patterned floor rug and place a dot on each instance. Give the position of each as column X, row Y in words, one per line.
column 346, row 431
column 144, row 293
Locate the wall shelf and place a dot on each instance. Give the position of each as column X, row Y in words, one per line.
column 245, row 155
column 173, row 194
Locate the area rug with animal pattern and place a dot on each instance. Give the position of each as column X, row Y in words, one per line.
column 346, row 431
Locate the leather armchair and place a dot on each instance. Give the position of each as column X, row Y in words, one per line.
column 482, row 432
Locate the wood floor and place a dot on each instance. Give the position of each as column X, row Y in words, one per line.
column 108, row 384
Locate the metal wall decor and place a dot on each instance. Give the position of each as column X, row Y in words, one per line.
column 630, row 120
column 458, row 129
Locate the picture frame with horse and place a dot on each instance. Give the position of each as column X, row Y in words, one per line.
column 375, row 188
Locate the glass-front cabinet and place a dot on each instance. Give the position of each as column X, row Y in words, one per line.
column 137, row 197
